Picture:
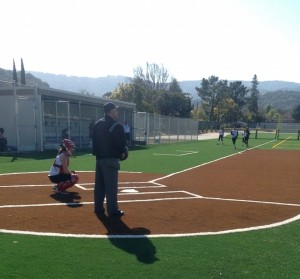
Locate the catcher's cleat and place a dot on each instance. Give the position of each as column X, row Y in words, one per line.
column 57, row 191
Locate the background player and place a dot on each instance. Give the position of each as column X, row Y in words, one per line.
column 234, row 135
column 221, row 135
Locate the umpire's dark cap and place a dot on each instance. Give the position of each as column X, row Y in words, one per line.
column 108, row 107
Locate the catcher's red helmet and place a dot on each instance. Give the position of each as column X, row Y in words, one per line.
column 68, row 144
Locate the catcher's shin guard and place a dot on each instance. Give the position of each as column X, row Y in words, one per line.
column 74, row 178
column 59, row 186
column 70, row 183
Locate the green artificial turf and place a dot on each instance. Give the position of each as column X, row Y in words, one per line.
column 272, row 253
column 164, row 158
column 265, row 254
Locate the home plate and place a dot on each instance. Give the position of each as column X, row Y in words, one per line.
column 129, row 191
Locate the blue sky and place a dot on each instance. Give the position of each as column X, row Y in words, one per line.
column 192, row 39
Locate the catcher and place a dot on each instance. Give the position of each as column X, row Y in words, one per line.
column 59, row 172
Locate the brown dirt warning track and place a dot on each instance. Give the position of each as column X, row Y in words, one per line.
column 251, row 189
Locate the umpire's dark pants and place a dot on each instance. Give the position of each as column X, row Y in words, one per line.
column 106, row 185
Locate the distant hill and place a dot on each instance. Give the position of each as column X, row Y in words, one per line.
column 263, row 86
column 274, row 85
column 280, row 100
column 96, row 86
column 101, row 85
column 279, row 94
column 7, row 75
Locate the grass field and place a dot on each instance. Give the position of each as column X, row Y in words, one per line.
column 270, row 253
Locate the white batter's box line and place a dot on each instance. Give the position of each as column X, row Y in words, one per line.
column 122, row 194
column 43, row 205
column 192, row 194
column 158, row 199
column 253, row 201
column 126, row 187
column 128, row 182
column 183, row 153
column 145, row 200
column 138, row 182
column 90, row 203
column 80, row 187
column 156, row 193
column 130, row 171
column 148, row 184
column 190, row 151
column 142, row 187
column 27, row 185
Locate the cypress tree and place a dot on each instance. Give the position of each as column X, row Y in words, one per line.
column 23, row 78
column 15, row 76
column 254, row 96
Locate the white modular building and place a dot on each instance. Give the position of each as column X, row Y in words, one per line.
column 37, row 119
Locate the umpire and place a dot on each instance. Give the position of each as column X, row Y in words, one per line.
column 109, row 147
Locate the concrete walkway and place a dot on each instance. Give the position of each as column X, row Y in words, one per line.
column 207, row 136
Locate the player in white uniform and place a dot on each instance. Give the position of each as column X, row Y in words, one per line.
column 59, row 172
column 221, row 135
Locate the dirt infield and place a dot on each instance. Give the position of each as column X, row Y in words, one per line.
column 250, row 189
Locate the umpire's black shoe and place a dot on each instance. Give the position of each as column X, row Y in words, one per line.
column 99, row 211
column 117, row 214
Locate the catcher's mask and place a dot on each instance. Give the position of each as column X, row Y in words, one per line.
column 68, row 145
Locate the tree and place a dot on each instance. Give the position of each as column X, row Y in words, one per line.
column 146, row 87
column 107, row 95
column 272, row 115
column 253, row 99
column 174, row 86
column 131, row 92
column 222, row 102
column 23, row 77
column 296, row 113
column 207, row 95
column 222, row 96
column 85, row 92
column 152, row 92
column 231, row 111
column 212, row 93
column 268, row 108
column 238, row 93
column 198, row 113
column 236, row 101
column 155, row 79
column 173, row 104
column 15, row 76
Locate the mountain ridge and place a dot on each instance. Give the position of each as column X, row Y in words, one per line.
column 101, row 85
column 281, row 95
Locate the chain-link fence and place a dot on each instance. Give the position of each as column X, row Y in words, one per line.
column 151, row 128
